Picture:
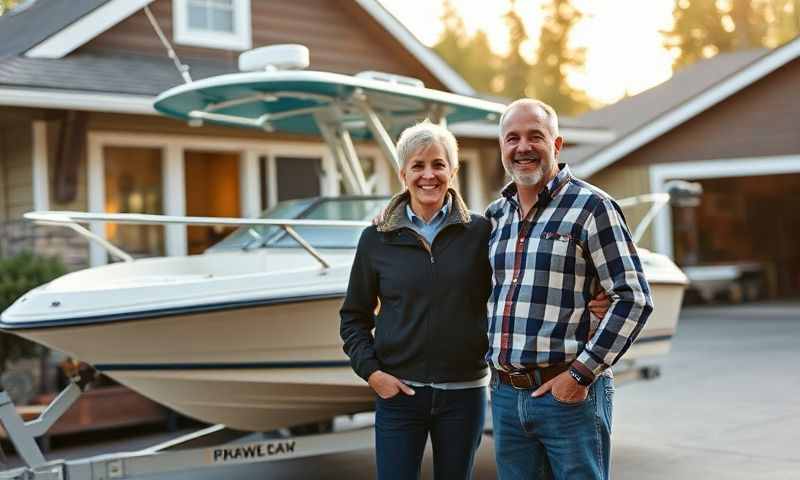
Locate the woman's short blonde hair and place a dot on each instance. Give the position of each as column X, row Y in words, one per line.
column 423, row 135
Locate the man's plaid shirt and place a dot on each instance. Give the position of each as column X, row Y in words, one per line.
column 544, row 272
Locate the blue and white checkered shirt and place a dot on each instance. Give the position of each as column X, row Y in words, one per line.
column 544, row 273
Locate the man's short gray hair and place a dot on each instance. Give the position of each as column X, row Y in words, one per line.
column 549, row 113
column 423, row 135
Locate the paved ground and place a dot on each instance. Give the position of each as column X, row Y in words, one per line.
column 726, row 407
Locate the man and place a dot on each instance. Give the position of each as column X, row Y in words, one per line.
column 555, row 239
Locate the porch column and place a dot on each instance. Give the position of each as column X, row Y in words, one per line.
column 249, row 186
column 174, row 194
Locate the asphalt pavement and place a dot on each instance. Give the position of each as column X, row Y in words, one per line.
column 725, row 407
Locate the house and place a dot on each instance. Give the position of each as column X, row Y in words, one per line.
column 731, row 124
column 78, row 131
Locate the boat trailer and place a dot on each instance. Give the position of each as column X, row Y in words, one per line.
column 210, row 453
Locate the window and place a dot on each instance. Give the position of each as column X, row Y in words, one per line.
column 213, row 23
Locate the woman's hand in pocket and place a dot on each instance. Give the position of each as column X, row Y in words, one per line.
column 387, row 386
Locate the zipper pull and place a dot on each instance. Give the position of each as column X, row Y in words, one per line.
column 432, row 260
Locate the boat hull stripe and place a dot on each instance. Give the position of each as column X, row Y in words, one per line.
column 116, row 367
column 165, row 312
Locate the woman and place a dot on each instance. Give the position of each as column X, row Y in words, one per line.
column 427, row 263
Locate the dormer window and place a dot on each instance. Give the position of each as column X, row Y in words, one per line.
column 221, row 24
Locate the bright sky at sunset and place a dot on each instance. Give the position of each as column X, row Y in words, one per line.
column 623, row 45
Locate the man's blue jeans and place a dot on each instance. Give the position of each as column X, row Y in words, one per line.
column 453, row 418
column 542, row 438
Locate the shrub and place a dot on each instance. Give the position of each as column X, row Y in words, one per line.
column 18, row 274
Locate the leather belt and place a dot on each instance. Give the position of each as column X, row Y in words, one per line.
column 532, row 377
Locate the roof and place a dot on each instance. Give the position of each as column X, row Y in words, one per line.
column 24, row 28
column 55, row 28
column 639, row 119
column 125, row 74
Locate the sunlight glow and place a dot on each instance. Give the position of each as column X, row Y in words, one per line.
column 624, row 52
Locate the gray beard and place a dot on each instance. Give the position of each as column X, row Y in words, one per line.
column 528, row 179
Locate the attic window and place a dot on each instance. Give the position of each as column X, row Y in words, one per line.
column 223, row 24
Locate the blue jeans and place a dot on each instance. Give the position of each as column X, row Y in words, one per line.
column 542, row 438
column 454, row 420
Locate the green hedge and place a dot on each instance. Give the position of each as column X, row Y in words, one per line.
column 18, row 274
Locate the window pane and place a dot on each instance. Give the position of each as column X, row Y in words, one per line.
column 212, row 190
column 133, row 184
column 222, row 20
column 198, row 19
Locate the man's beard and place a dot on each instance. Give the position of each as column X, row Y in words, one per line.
column 526, row 179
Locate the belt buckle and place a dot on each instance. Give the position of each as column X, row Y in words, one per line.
column 513, row 375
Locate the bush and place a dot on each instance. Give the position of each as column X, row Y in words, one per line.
column 18, row 274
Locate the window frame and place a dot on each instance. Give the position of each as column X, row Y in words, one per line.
column 241, row 39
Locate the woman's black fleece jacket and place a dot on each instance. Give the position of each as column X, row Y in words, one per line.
column 431, row 324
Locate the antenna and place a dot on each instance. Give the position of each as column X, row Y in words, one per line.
column 182, row 69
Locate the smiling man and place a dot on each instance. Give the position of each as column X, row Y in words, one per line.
column 554, row 240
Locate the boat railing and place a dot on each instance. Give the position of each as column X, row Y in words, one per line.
column 75, row 221
column 658, row 200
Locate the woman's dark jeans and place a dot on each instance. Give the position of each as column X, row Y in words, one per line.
column 454, row 420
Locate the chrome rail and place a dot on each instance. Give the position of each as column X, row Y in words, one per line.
column 74, row 220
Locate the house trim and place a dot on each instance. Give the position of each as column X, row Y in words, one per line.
column 41, row 176
column 240, row 39
column 86, row 28
column 710, row 97
column 452, row 80
column 721, row 168
column 75, row 100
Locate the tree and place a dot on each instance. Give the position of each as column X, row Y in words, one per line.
column 556, row 58
column 516, row 70
column 704, row 28
column 7, row 5
column 471, row 57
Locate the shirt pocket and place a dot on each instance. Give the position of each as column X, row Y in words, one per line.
column 559, row 252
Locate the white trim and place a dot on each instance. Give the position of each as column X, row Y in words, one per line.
column 96, row 193
column 86, row 28
column 722, row 168
column 249, row 187
column 719, row 92
column 173, row 191
column 241, row 39
column 41, row 176
column 74, row 100
column 471, row 158
column 572, row 134
column 433, row 62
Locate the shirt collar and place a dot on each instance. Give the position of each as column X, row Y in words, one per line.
column 548, row 192
column 440, row 215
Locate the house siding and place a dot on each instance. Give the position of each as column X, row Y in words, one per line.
column 760, row 120
column 326, row 27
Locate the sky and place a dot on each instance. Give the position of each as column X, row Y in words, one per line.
column 624, row 52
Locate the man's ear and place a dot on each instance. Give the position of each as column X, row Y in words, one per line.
column 558, row 143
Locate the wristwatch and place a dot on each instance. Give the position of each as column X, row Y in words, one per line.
column 579, row 377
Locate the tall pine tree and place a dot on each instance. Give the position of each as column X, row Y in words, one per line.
column 556, row 58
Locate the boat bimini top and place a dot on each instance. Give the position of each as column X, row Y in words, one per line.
column 337, row 107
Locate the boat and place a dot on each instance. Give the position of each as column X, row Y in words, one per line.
column 247, row 333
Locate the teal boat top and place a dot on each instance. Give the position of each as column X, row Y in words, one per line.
column 294, row 102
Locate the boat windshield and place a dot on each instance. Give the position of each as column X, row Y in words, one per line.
column 344, row 208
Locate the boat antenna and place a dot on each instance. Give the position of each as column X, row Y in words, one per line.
column 182, row 69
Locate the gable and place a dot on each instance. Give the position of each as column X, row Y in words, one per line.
column 327, row 27
column 758, row 121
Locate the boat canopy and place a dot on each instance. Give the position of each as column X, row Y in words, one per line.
column 296, row 101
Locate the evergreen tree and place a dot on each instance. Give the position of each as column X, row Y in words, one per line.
column 7, row 5
column 516, row 71
column 556, row 59
column 471, row 57
column 704, row 28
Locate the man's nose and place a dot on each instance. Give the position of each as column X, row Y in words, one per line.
column 523, row 146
